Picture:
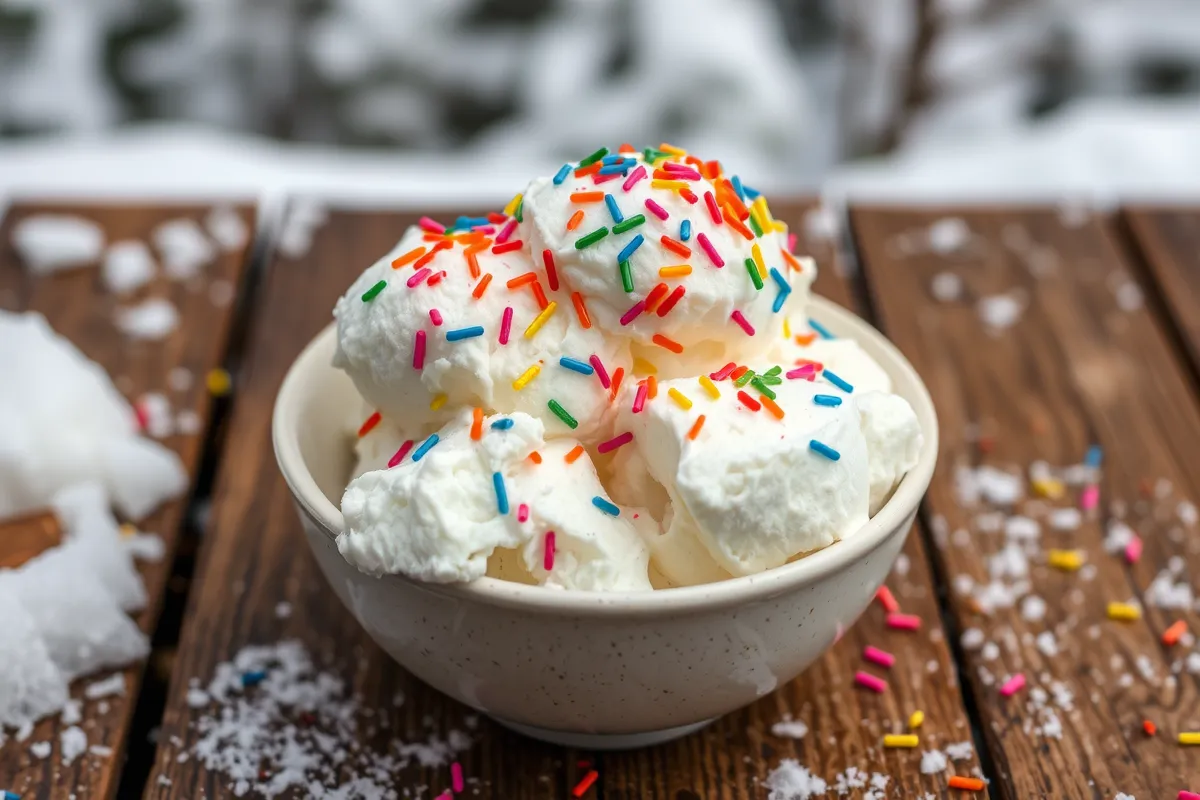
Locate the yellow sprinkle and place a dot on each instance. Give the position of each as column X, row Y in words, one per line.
column 218, row 382
column 438, row 402
column 901, row 740
column 1051, row 488
column 787, row 329
column 672, row 149
column 659, row 183
column 677, row 271
column 540, row 320
column 643, row 367
column 127, row 530
column 760, row 212
column 1189, row 737
column 511, row 208
column 710, row 387
column 1126, row 612
column 1066, row 560
column 779, row 225
column 916, row 719
column 681, row 399
column 527, row 376
column 756, row 252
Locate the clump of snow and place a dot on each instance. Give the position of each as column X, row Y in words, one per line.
column 948, row 235
column 31, row 685
column 72, row 742
column 790, row 781
column 1000, row 311
column 127, row 267
column 41, row 749
column 790, row 729
column 105, row 687
column 145, row 546
column 960, row 751
column 933, row 761
column 152, row 319
column 226, row 227
column 946, row 287
column 51, row 242
column 184, row 248
column 62, row 421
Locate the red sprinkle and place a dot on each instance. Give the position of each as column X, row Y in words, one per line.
column 639, row 400
column 1149, row 727
column 551, row 271
column 665, row 307
column 419, row 351
column 742, row 322
column 507, row 247
column 656, row 294
column 548, row 558
column 601, row 372
column 723, row 372
column 676, row 246
column 496, row 218
column 615, row 442
column 581, row 788
column 436, row 277
column 689, row 195
column 887, row 600
column 435, row 316
column 656, row 209
column 713, row 211
column 400, row 454
column 370, row 424
column 522, row 512
column 748, row 401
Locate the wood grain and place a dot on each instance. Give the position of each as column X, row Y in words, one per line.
column 26, row 536
column 79, row 308
column 1169, row 240
column 1075, row 369
column 254, row 558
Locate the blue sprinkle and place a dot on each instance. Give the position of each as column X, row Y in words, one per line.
column 606, row 507
column 562, row 174
column 613, row 169
column 502, row 424
column 501, row 493
column 784, row 290
column 253, row 678
column 425, row 447
column 824, row 449
column 464, row 333
column 838, row 382
column 685, row 230
column 821, row 329
column 470, row 222
column 827, row 400
column 750, row 192
column 612, row 158
column 633, row 245
column 1094, row 456
column 613, row 208
column 11, row 796
column 737, row 187
column 581, row 367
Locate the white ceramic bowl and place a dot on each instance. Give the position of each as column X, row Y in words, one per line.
column 589, row 669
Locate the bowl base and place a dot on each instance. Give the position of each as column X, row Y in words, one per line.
column 604, row 741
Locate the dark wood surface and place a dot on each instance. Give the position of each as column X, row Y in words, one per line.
column 1078, row 368
column 1169, row 240
column 78, row 307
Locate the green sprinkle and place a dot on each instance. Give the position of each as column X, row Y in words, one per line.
column 773, row 371
column 651, row 155
column 520, row 212
column 757, row 383
column 747, row 376
column 374, row 291
column 752, row 268
column 594, row 157
column 592, row 238
column 629, row 223
column 562, row 414
column 754, row 226
column 771, row 380
column 626, row 276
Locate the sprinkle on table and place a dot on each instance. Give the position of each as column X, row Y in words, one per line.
column 540, row 320
column 459, row 334
column 1124, row 612
column 619, row 440
column 399, row 455
column 886, row 599
column 901, row 740
column 374, row 291
column 903, row 622
column 1013, row 685
column 880, row 657
column 585, row 783
column 970, row 784
column 869, row 681
column 369, row 424
column 425, row 447
column 589, row 239
column 915, row 719
column 607, row 507
column 563, row 415
column 837, row 381
column 1173, row 634
column 1065, row 560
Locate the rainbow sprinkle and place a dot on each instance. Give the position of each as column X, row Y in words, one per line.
column 522, row 512
column 587, row 240
column 742, row 322
column 374, row 291
column 614, row 210
column 548, row 558
column 785, row 289
column 838, row 382
column 656, row 209
column 501, row 493
column 629, row 224
column 820, row 329
column 370, row 424
column 866, row 680
column 615, row 442
column 601, row 372
column 685, row 230
column 681, row 399
column 826, row 399
column 506, row 324
column 400, row 454
column 824, row 449
column 1013, row 685
column 562, row 414
column 880, row 657
column 425, row 447
column 526, row 377
column 576, row 366
column 540, row 320
column 459, row 334
column 503, row 424
column 628, row 250
column 605, row 506
column 754, row 277
column 711, row 251
column 419, row 351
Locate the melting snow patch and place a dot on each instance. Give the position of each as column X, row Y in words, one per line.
column 790, row 729
column 184, row 248
column 152, row 319
column 946, row 287
column 226, row 227
column 127, row 267
column 1000, row 311
column 50, row 242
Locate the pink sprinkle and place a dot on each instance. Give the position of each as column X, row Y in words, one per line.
column 444, row 796
column 1133, row 550
column 601, row 372
column 639, row 400
column 1090, row 497
column 791, row 242
column 484, row 228
column 724, row 372
column 632, row 313
column 870, row 682
column 1013, row 685
column 634, row 177
column 713, row 211
column 1184, row 794
column 880, row 657
column 683, row 171
column 431, row 225
column 506, row 231
column 741, row 321
column 435, row 316
column 522, row 512
column 548, row 559
column 656, row 209
column 400, row 454
column 803, row 371
column 904, row 622
column 456, row 779
column 708, row 248
column 419, row 351
column 616, row 441
column 598, row 179
column 417, row 277
column 505, row 324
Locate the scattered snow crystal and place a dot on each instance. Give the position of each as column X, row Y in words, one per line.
column 128, row 266
column 1000, row 311
column 153, row 319
column 50, row 242
column 72, row 742
column 946, row 287
column 184, row 248
column 106, row 687
column 226, row 227
column 790, row 729
column 933, row 761
column 948, row 235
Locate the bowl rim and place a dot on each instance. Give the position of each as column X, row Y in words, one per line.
column 789, row 577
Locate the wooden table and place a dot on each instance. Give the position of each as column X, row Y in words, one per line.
column 1104, row 350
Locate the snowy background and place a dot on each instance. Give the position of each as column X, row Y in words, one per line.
column 376, row 98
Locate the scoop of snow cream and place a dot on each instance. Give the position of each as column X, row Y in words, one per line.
column 613, row 384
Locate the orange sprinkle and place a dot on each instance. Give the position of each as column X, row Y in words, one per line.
column 651, row 387
column 739, row 227
column 792, row 261
column 772, row 406
column 539, row 295
column 477, row 424
column 734, row 202
column 370, row 424
column 805, row 338
column 669, row 344
column 626, row 148
column 655, row 297
column 581, row 310
column 1149, row 727
column 575, row 219
column 689, row 195
column 970, row 784
column 587, row 197
column 676, row 247
column 675, row 271
column 521, row 280
column 590, row 169
column 737, row 373
column 429, row 236
column 481, row 287
column 575, row 453
column 425, row 259
column 617, row 377
column 711, row 169
column 535, row 457
column 581, row 788
column 472, row 264
column 1173, row 634
column 695, row 431
column 411, row 255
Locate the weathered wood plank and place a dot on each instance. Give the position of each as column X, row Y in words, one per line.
column 254, row 558
column 78, row 307
column 1083, row 364
column 1169, row 240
